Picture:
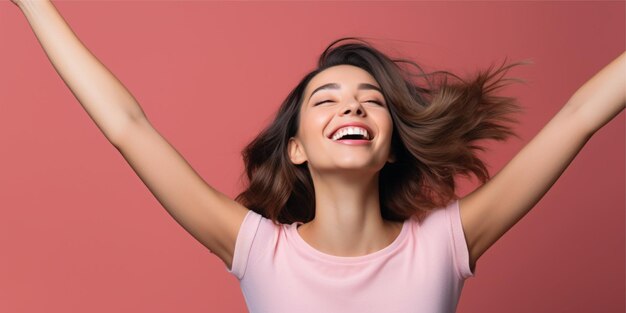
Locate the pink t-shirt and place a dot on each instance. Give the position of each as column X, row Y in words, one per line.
column 422, row 270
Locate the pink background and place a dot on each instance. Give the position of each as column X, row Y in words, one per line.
column 79, row 232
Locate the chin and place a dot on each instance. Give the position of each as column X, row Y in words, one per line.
column 359, row 166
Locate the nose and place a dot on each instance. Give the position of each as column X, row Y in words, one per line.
column 352, row 107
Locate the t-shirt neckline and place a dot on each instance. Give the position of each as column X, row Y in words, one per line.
column 304, row 246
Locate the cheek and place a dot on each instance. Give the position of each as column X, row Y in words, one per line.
column 314, row 125
column 389, row 121
column 312, row 128
column 385, row 122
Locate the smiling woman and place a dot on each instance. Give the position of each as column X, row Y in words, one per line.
column 357, row 166
column 435, row 116
column 384, row 211
column 351, row 201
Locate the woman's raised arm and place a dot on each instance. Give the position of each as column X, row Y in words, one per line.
column 207, row 214
column 493, row 208
column 109, row 104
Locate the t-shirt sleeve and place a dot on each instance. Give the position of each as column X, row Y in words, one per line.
column 459, row 243
column 243, row 245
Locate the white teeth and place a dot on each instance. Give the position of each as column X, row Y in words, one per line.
column 351, row 131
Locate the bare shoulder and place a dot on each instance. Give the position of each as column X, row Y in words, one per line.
column 232, row 224
column 207, row 214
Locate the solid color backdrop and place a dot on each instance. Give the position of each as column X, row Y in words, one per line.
column 79, row 232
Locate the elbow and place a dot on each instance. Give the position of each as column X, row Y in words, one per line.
column 577, row 112
column 122, row 129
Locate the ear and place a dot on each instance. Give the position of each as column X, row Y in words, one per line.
column 296, row 151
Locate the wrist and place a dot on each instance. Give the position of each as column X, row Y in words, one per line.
column 29, row 5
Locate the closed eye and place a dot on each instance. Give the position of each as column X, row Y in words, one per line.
column 322, row 102
column 374, row 101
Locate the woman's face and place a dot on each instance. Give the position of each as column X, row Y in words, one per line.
column 338, row 96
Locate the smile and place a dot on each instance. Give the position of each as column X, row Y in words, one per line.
column 351, row 133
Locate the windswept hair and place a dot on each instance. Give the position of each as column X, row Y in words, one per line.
column 436, row 125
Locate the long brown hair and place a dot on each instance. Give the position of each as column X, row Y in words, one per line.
column 435, row 127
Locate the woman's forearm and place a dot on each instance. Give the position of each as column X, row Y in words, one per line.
column 109, row 104
column 603, row 96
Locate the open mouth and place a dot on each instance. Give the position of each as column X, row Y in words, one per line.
column 351, row 133
column 352, row 137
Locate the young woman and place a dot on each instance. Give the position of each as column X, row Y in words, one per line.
column 351, row 187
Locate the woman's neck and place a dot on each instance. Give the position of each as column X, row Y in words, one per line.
column 347, row 219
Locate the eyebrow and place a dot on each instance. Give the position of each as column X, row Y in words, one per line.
column 362, row 86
